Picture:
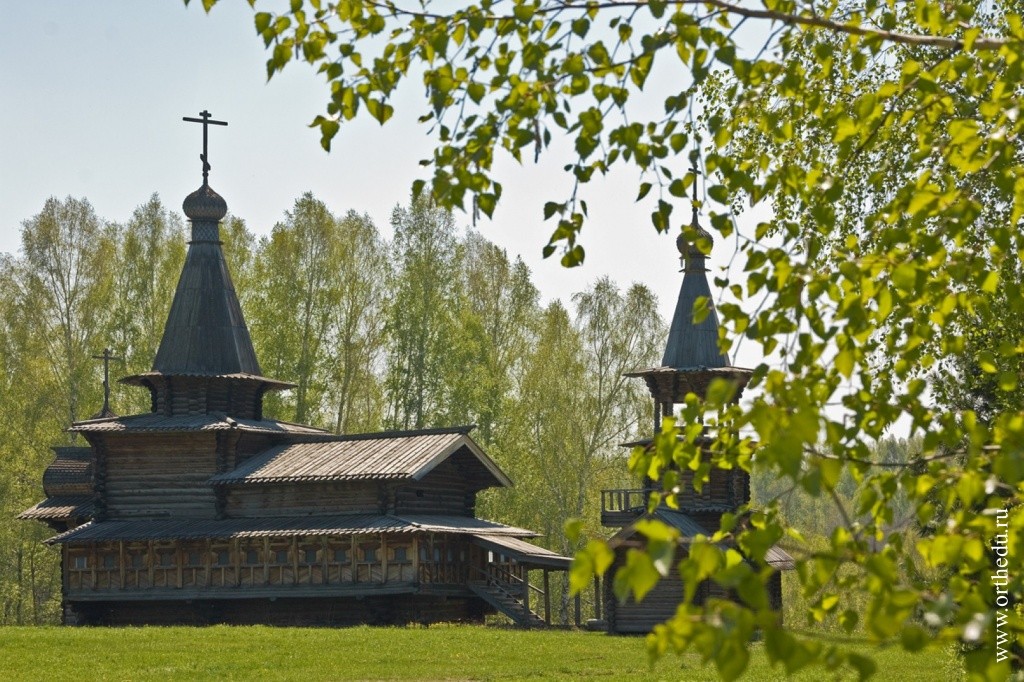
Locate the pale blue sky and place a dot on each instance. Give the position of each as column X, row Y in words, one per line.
column 93, row 98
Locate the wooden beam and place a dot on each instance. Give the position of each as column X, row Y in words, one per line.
column 547, row 598
column 295, row 560
column 383, row 558
column 352, row 560
column 266, row 561
column 120, row 562
column 415, row 558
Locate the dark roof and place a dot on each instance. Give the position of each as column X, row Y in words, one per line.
column 148, row 378
column 70, row 473
column 403, row 456
column 692, row 344
column 285, row 526
column 60, row 508
column 523, row 552
column 205, row 332
column 212, row 421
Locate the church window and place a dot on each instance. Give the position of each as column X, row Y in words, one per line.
column 195, row 559
column 370, row 555
column 109, row 561
column 252, row 557
column 223, row 558
column 81, row 562
column 341, row 556
column 281, row 556
column 401, row 555
column 309, row 556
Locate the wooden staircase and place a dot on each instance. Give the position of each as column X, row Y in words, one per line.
column 507, row 603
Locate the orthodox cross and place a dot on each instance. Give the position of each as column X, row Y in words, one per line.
column 106, row 358
column 696, row 174
column 206, row 121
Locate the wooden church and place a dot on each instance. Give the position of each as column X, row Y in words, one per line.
column 205, row 511
column 691, row 362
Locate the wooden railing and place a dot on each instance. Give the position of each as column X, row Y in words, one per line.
column 621, row 506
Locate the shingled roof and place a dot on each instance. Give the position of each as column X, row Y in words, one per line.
column 205, row 331
column 209, row 421
column 398, row 455
column 283, row 526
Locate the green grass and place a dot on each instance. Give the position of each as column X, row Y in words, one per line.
column 313, row 655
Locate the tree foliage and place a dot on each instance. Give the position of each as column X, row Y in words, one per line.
column 884, row 140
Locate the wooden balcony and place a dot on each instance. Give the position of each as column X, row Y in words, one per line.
column 621, row 507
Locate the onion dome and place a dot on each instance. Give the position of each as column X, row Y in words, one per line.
column 205, row 204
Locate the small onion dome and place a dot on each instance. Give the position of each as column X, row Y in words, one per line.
column 205, row 204
column 688, row 249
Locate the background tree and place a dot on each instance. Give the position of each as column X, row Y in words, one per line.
column 364, row 275
column 150, row 250
column 298, row 291
column 423, row 336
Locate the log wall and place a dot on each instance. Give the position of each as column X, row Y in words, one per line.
column 159, row 474
column 443, row 491
column 288, row 499
column 379, row 610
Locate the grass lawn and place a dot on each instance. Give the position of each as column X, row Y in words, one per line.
column 312, row 655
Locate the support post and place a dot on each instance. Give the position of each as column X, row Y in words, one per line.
column 526, row 591
column 547, row 598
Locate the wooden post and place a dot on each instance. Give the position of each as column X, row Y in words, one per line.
column 415, row 558
column 526, row 591
column 383, row 558
column 295, row 560
column 92, row 563
column 179, row 559
column 120, row 562
column 352, row 561
column 547, row 598
column 597, row 597
column 324, row 549
column 149, row 560
column 266, row 560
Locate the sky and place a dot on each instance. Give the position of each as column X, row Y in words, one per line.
column 94, row 96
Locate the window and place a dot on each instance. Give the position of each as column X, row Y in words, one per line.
column 81, row 562
column 281, row 557
column 223, row 557
column 401, row 555
column 167, row 559
column 370, row 555
column 341, row 556
column 195, row 559
column 109, row 561
column 252, row 557
column 137, row 560
column 309, row 556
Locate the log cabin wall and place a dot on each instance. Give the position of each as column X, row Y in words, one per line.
column 657, row 606
column 286, row 499
column 444, row 490
column 159, row 474
column 320, row 611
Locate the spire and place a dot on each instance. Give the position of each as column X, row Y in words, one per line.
column 205, row 334
column 691, row 344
